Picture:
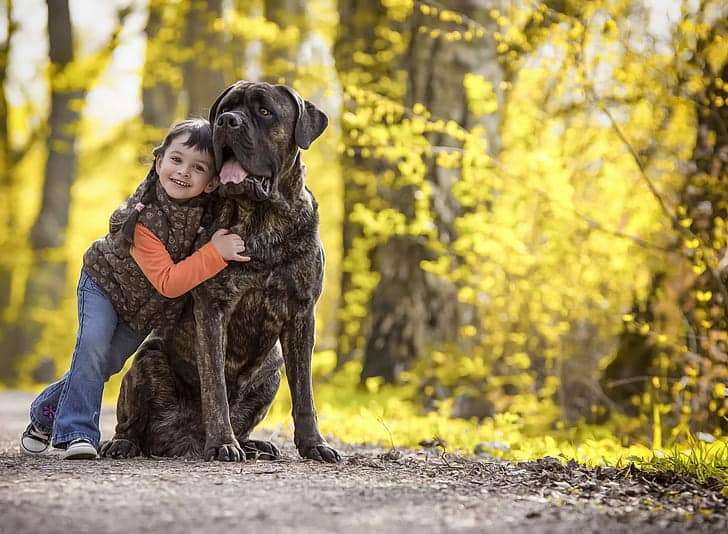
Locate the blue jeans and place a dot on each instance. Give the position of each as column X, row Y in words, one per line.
column 69, row 408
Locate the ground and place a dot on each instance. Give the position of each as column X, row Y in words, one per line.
column 372, row 490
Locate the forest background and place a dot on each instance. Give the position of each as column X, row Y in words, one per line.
column 523, row 203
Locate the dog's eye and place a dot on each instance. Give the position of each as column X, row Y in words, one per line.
column 264, row 112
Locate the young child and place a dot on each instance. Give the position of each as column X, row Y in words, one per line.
column 132, row 281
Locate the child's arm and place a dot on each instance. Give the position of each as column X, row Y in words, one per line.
column 169, row 278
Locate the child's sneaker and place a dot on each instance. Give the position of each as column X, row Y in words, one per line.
column 80, row 449
column 33, row 441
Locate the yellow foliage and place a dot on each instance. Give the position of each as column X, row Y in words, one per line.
column 482, row 100
column 559, row 226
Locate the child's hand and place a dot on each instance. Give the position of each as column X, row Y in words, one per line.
column 229, row 245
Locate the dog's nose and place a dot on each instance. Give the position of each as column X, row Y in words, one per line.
column 229, row 120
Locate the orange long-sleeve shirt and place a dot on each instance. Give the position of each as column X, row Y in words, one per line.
column 169, row 278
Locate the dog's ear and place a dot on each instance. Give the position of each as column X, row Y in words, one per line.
column 310, row 122
column 213, row 108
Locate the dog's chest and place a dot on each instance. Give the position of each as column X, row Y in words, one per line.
column 259, row 315
column 251, row 281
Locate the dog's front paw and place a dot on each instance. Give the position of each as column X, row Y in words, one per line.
column 320, row 453
column 224, row 452
column 260, row 450
column 120, row 448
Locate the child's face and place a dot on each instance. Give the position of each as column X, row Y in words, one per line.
column 185, row 172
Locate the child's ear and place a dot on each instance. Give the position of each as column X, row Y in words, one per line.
column 158, row 164
column 212, row 184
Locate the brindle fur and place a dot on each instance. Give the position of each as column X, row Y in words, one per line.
column 198, row 388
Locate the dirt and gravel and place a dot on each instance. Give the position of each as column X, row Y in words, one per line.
column 372, row 490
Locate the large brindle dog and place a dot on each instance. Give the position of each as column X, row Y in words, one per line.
column 199, row 387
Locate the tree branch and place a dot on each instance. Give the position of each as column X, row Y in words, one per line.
column 686, row 232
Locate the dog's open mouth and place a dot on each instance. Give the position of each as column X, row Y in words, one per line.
column 232, row 172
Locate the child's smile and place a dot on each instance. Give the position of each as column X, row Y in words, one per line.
column 180, row 183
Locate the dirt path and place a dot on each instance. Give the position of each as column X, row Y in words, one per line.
column 372, row 490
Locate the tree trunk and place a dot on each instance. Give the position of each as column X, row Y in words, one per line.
column 411, row 310
column 61, row 165
column 706, row 200
column 7, row 163
column 204, row 71
column 237, row 47
column 358, row 22
column 703, row 321
column 159, row 97
column 279, row 61
column 47, row 273
column 4, row 57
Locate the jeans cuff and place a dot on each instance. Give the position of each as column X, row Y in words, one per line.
column 40, row 426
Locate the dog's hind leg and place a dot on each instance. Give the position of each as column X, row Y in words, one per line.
column 250, row 404
column 176, row 427
column 132, row 408
column 172, row 404
column 148, row 414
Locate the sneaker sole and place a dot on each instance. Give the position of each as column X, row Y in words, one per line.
column 81, row 456
column 30, row 452
column 80, row 453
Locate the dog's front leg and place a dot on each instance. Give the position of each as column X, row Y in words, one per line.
column 297, row 339
column 210, row 323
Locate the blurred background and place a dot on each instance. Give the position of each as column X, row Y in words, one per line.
column 523, row 202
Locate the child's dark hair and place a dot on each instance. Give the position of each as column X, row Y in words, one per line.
column 200, row 132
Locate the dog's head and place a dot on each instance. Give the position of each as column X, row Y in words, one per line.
column 258, row 129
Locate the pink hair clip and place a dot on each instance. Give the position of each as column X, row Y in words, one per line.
column 139, row 206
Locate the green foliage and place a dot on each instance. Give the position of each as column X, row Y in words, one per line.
column 391, row 416
column 704, row 460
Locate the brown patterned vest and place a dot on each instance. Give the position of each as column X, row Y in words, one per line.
column 110, row 265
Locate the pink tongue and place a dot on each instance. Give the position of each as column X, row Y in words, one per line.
column 232, row 172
